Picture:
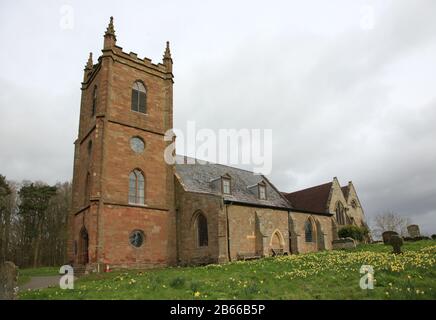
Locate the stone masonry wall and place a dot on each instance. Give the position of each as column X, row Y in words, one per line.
column 251, row 230
column 322, row 235
column 117, row 224
column 188, row 205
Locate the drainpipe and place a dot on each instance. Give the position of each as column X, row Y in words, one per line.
column 228, row 233
column 289, row 234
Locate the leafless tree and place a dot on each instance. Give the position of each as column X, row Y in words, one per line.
column 390, row 221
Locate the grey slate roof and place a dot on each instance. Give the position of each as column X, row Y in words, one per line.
column 201, row 177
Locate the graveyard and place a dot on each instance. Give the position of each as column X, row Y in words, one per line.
column 334, row 274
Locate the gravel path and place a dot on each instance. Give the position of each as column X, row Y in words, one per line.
column 41, row 282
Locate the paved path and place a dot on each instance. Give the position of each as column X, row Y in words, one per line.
column 41, row 282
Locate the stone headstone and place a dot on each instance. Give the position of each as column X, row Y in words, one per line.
column 8, row 281
column 387, row 236
column 343, row 243
column 396, row 242
column 413, row 231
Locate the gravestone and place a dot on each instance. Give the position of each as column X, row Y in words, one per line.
column 413, row 231
column 387, row 236
column 8, row 281
column 396, row 242
column 343, row 243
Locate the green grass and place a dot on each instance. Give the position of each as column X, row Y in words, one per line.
column 322, row 275
column 24, row 275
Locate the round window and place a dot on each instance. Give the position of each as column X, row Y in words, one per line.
column 137, row 144
column 136, row 238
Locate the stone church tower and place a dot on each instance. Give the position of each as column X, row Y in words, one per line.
column 123, row 191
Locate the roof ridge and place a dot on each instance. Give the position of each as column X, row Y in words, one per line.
column 306, row 189
column 218, row 164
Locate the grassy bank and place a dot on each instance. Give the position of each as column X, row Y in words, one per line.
column 24, row 275
column 322, row 275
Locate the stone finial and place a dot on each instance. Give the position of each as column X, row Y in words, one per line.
column 167, row 54
column 90, row 63
column 167, row 60
column 110, row 28
column 109, row 37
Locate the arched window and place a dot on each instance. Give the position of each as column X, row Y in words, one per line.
column 94, row 101
column 202, row 234
column 136, row 187
column 340, row 214
column 138, row 97
column 308, row 231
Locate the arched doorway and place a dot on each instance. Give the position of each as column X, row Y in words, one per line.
column 277, row 243
column 83, row 257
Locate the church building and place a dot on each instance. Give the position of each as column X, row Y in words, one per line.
column 132, row 209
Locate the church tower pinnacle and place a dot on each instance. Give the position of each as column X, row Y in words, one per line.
column 110, row 38
column 167, row 60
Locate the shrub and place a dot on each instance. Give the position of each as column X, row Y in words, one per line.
column 177, row 282
column 155, row 282
column 195, row 285
column 421, row 238
column 354, row 232
column 433, row 236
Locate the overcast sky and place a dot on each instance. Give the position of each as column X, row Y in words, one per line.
column 348, row 87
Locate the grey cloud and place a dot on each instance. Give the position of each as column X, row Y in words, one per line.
column 342, row 101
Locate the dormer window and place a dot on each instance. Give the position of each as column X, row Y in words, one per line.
column 262, row 191
column 226, row 185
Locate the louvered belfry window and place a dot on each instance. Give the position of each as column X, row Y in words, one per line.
column 139, row 97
